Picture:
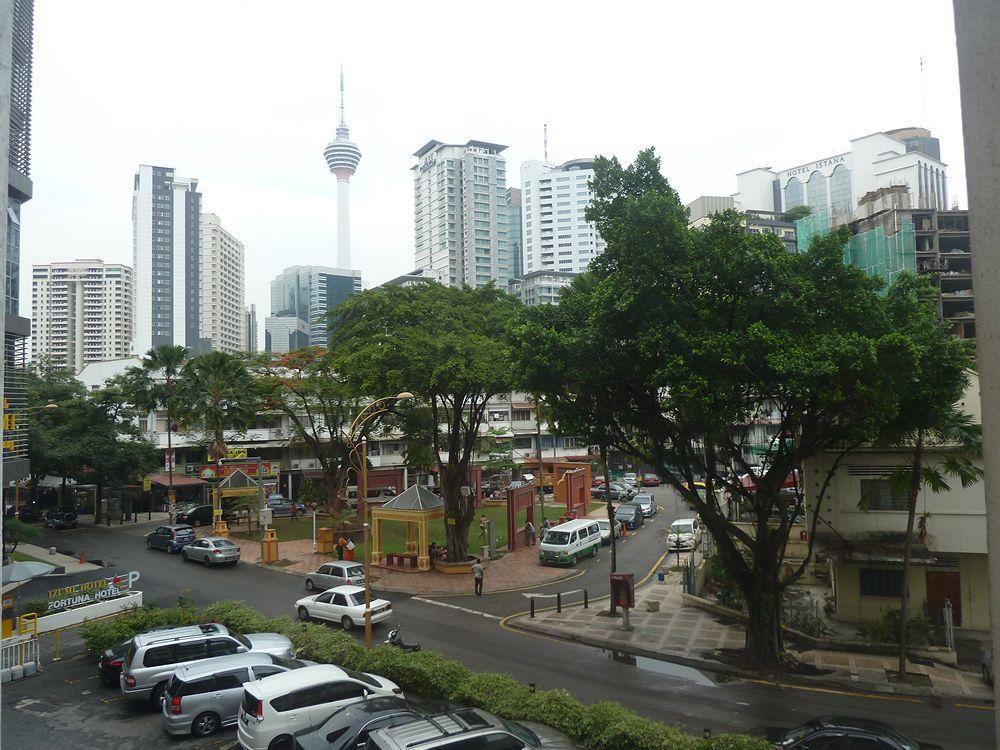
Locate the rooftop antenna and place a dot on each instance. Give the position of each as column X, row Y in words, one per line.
column 923, row 88
column 341, row 95
column 545, row 141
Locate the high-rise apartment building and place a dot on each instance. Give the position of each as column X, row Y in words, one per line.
column 223, row 293
column 251, row 328
column 16, row 47
column 460, row 213
column 308, row 293
column 540, row 287
column 81, row 311
column 557, row 236
column 166, row 249
column 515, row 240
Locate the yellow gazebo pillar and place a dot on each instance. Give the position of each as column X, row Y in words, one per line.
column 376, row 538
column 411, row 543
column 423, row 555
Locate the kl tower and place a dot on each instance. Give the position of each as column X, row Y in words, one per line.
column 342, row 156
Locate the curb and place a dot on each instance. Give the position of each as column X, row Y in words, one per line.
column 707, row 665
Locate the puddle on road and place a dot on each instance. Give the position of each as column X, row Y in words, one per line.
column 665, row 668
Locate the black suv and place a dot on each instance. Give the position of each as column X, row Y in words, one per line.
column 172, row 537
column 61, row 518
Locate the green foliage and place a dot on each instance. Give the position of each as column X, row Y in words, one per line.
column 16, row 531
column 796, row 212
column 721, row 584
column 36, row 606
column 813, row 625
column 885, row 629
column 602, row 726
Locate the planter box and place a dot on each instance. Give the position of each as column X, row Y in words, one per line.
column 455, row 568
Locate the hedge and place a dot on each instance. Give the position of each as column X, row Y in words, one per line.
column 599, row 726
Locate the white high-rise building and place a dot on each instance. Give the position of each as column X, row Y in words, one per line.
column 81, row 312
column 460, row 213
column 223, row 293
column 554, row 232
column 166, row 245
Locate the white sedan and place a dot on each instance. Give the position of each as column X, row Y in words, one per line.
column 343, row 604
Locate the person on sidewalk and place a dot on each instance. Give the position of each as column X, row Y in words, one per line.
column 545, row 527
column 529, row 533
column 477, row 576
column 341, row 546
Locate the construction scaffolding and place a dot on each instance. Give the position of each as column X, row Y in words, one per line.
column 882, row 255
column 811, row 227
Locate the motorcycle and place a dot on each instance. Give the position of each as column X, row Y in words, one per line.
column 395, row 639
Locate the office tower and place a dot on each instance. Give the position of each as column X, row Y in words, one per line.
column 557, row 236
column 81, row 311
column 166, row 249
column 342, row 157
column 223, row 294
column 308, row 293
column 460, row 212
column 16, row 47
column 515, row 241
column 284, row 335
column 251, row 328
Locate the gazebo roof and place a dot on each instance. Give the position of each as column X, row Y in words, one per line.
column 416, row 497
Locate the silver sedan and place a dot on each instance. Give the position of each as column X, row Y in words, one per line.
column 212, row 550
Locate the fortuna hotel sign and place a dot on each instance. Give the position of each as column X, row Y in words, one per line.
column 90, row 592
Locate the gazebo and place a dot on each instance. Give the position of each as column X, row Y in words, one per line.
column 415, row 507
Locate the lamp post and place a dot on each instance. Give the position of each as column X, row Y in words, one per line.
column 50, row 406
column 372, row 410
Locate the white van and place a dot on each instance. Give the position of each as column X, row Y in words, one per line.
column 568, row 542
column 275, row 708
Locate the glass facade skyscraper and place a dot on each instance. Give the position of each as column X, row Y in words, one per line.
column 307, row 294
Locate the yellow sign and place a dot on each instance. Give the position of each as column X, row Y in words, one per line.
column 236, row 453
column 147, row 484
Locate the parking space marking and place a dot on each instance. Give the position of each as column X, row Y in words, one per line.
column 112, row 700
column 974, row 706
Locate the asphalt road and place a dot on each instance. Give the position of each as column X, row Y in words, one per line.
column 467, row 628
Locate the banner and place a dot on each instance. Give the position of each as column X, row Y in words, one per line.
column 268, row 470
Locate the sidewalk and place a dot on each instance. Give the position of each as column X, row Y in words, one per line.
column 694, row 637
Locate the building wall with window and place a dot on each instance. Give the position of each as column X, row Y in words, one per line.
column 460, row 213
column 540, row 287
column 223, row 287
column 309, row 293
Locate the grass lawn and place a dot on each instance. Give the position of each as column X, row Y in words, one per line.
column 394, row 534
column 21, row 557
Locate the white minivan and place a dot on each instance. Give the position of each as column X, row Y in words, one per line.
column 568, row 542
column 275, row 708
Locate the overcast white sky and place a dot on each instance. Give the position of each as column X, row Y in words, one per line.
column 243, row 96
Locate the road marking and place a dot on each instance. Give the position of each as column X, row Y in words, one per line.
column 974, row 706
column 834, row 691
column 455, row 606
column 112, row 700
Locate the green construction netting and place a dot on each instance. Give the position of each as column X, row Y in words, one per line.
column 884, row 256
column 808, row 228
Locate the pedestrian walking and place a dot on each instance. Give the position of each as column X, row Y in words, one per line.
column 477, row 576
column 545, row 527
column 341, row 546
column 529, row 532
column 295, row 511
column 484, row 524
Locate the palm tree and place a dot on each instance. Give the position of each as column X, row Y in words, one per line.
column 217, row 391
column 153, row 386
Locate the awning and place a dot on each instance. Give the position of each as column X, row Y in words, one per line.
column 867, row 551
column 180, row 480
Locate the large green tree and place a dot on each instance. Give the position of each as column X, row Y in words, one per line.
column 688, row 338
column 320, row 404
column 447, row 347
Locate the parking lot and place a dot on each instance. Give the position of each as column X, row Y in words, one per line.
column 68, row 706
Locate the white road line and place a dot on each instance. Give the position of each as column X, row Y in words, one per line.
column 455, row 606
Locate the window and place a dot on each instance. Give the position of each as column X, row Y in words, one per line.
column 881, row 582
column 794, row 195
column 340, row 600
column 326, row 596
column 310, row 696
column 492, row 741
column 192, row 651
column 522, row 442
column 197, row 687
column 222, row 647
column 261, row 672
column 157, row 657
column 816, row 191
column 231, row 680
column 840, row 191
column 879, row 494
column 869, row 743
column 520, row 415
column 343, row 691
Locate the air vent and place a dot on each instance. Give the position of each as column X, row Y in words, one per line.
column 871, row 471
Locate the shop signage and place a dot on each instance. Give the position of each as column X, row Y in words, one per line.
column 236, row 453
column 90, row 592
column 810, row 168
column 208, row 471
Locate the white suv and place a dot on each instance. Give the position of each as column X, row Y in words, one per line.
column 277, row 707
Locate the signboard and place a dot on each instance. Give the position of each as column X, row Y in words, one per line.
column 147, row 484
column 169, row 460
column 236, row 453
column 623, row 589
column 90, row 592
column 208, row 471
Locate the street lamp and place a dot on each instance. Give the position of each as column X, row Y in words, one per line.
column 50, row 406
column 372, row 410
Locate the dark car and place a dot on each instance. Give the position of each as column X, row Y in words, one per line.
column 109, row 668
column 172, row 537
column 350, row 726
column 630, row 515
column 195, row 515
column 61, row 518
column 282, row 507
column 839, row 733
column 618, row 492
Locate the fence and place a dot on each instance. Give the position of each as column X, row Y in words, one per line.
column 18, row 657
column 558, row 596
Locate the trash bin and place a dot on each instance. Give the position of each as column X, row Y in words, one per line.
column 324, row 540
column 484, row 554
column 270, row 545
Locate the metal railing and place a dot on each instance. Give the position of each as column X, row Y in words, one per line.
column 558, row 596
column 18, row 650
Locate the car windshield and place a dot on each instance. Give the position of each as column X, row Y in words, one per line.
column 242, row 639
column 623, row 511
column 681, row 528
column 281, row 661
column 556, row 537
column 362, row 677
column 604, row 524
column 522, row 733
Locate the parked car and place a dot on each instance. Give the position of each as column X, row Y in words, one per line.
column 619, row 493
column 645, row 501
column 684, row 533
column 348, row 728
column 651, row 480
column 568, row 542
column 275, row 708
column 212, row 550
column 153, row 657
column 172, row 537
column 343, row 604
column 986, row 666
column 109, row 667
column 468, row 728
column 630, row 515
column 195, row 515
column 281, row 507
column 205, row 696
column 597, row 482
column 837, row 732
column 605, row 526
column 61, row 518
column 340, row 573
column 630, row 477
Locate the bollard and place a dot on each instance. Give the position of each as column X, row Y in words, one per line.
column 532, row 601
column 83, row 558
column 586, row 602
column 559, row 603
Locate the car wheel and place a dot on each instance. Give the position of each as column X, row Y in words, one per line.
column 206, row 562
column 284, row 742
column 184, row 556
column 156, row 697
column 310, row 586
column 205, row 724
column 572, row 561
column 347, row 623
column 149, row 544
column 303, row 614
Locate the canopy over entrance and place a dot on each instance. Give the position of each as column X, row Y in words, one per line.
column 414, row 507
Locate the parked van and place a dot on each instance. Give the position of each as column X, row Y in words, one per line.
column 568, row 542
column 376, row 495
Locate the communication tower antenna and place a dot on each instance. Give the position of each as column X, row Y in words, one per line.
column 545, row 141
column 923, row 88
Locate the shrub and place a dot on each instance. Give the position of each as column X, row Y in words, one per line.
column 609, row 726
column 721, row 585
column 99, row 635
column 37, row 606
column 885, row 629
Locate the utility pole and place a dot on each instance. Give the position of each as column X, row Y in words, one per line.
column 541, row 465
column 611, row 512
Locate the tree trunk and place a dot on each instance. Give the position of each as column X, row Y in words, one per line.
column 911, row 512
column 170, row 462
column 458, row 514
column 541, row 465
column 611, row 515
column 762, row 592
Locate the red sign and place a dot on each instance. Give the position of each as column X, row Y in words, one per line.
column 208, row 471
column 623, row 589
